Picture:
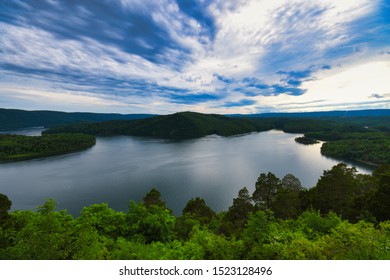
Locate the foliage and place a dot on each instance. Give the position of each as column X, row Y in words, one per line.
column 379, row 204
column 149, row 224
column 306, row 140
column 153, row 198
column 20, row 147
column 372, row 148
column 198, row 209
column 267, row 186
column 287, row 198
column 11, row 119
column 335, row 190
column 5, row 205
column 235, row 219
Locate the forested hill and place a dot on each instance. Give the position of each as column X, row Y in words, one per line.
column 325, row 114
column 175, row 126
column 13, row 119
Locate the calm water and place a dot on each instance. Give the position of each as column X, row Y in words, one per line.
column 119, row 169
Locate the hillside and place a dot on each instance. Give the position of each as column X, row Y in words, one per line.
column 175, row 126
column 325, row 114
column 13, row 119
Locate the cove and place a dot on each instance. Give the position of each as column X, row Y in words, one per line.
column 123, row 168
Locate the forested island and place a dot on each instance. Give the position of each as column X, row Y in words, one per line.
column 20, row 147
column 306, row 140
column 345, row 216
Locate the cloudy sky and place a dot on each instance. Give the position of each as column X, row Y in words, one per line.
column 217, row 56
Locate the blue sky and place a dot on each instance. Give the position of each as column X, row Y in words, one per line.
column 160, row 56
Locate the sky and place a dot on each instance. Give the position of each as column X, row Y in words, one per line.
column 217, row 56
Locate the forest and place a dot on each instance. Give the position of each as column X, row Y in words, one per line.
column 345, row 216
column 20, row 147
column 11, row 119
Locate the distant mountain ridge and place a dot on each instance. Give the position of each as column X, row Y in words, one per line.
column 345, row 113
column 14, row 119
column 178, row 125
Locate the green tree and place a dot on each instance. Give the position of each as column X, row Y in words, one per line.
column 212, row 246
column 46, row 235
column 336, row 190
column 313, row 225
column 153, row 197
column 236, row 217
column 258, row 231
column 149, row 224
column 198, row 209
column 352, row 242
column 196, row 214
column 185, row 225
column 90, row 244
column 265, row 193
column 291, row 183
column 5, row 205
column 380, row 202
column 103, row 219
column 287, row 198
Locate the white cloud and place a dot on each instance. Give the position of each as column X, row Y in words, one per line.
column 246, row 37
column 37, row 49
column 253, row 38
column 342, row 88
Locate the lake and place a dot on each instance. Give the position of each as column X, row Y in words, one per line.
column 122, row 168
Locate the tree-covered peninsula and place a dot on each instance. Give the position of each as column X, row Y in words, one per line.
column 20, row 147
column 345, row 216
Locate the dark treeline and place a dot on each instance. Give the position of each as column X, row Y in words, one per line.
column 20, row 147
column 11, row 119
column 345, row 216
column 182, row 125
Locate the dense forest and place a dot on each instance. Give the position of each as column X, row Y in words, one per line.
column 345, row 216
column 11, row 119
column 175, row 126
column 20, row 147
